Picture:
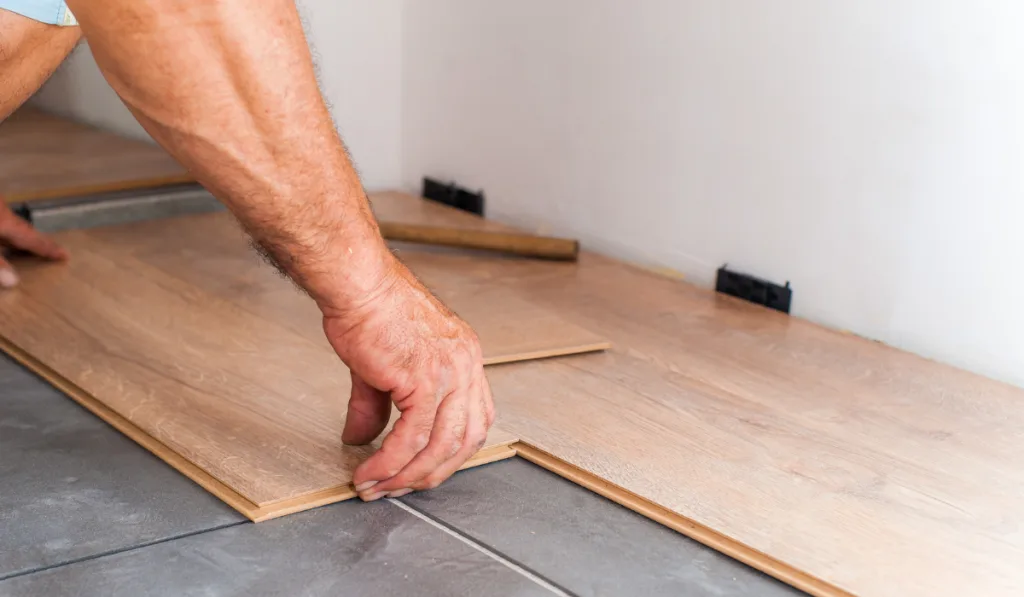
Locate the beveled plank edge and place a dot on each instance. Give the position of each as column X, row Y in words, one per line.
column 520, row 357
column 244, row 506
column 692, row 529
column 126, row 427
column 339, row 494
column 106, row 187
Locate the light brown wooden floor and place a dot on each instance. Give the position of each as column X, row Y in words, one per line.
column 828, row 460
column 44, row 156
column 176, row 327
column 868, row 468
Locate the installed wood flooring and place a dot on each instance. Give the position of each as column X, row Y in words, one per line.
column 175, row 327
column 835, row 463
column 44, row 156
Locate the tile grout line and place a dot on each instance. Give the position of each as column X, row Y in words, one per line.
column 481, row 547
column 112, row 552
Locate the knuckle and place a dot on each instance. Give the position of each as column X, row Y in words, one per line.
column 478, row 440
column 476, row 351
column 458, row 439
column 449, row 448
column 433, row 373
column 413, row 439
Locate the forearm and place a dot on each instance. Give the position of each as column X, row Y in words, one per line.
column 228, row 87
column 29, row 53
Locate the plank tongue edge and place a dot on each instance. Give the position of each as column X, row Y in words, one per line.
column 692, row 529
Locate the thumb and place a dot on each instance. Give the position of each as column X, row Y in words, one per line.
column 368, row 412
column 8, row 277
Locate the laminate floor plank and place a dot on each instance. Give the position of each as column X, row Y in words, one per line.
column 211, row 252
column 43, row 156
column 175, row 328
column 846, row 464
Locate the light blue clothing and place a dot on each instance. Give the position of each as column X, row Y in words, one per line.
column 52, row 12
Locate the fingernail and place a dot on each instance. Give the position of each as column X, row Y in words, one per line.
column 8, row 279
column 365, row 485
column 399, row 493
column 373, row 496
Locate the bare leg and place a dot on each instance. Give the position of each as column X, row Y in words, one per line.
column 29, row 53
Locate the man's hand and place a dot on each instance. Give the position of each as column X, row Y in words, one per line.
column 16, row 233
column 405, row 346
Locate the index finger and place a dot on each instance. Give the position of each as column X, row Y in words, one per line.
column 458, row 429
column 409, row 436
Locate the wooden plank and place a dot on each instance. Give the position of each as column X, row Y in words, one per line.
column 498, row 448
column 526, row 245
column 861, row 468
column 690, row 528
column 211, row 252
column 44, row 157
column 176, row 328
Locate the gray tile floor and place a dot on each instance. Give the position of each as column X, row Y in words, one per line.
column 350, row 548
column 582, row 541
column 72, row 487
column 84, row 511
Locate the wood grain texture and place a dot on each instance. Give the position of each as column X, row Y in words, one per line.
column 853, row 466
column 211, row 252
column 44, row 156
column 176, row 327
column 500, row 450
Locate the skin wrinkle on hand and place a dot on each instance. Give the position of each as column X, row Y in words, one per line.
column 246, row 117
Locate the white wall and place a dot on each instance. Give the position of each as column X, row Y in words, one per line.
column 871, row 152
column 358, row 47
column 78, row 90
column 357, row 44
